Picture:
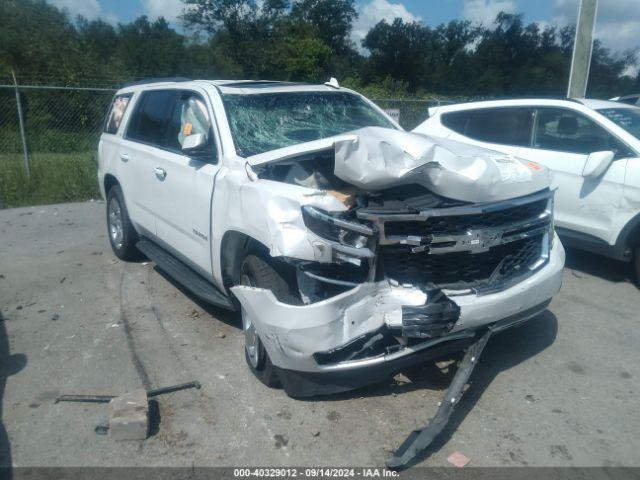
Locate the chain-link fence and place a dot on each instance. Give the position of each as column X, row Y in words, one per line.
column 61, row 128
column 408, row 112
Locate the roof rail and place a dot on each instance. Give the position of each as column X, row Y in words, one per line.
column 261, row 84
column 157, row 80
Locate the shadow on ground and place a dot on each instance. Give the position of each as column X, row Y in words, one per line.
column 609, row 269
column 221, row 314
column 9, row 365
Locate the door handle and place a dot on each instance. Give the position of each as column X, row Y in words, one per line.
column 124, row 157
column 160, row 173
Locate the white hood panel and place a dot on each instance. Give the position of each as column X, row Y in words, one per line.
column 376, row 158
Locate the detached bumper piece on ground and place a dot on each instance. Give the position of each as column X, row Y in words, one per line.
column 419, row 440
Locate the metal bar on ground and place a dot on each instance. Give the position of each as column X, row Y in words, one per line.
column 175, row 388
column 419, row 439
column 85, row 398
column 108, row 398
column 27, row 167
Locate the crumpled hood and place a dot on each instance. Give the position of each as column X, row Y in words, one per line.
column 376, row 158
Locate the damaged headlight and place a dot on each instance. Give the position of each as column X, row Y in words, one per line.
column 340, row 231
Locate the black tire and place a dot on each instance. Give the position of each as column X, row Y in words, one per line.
column 264, row 275
column 123, row 242
column 636, row 264
column 257, row 272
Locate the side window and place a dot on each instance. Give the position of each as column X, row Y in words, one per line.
column 116, row 112
column 456, row 121
column 564, row 130
column 189, row 117
column 149, row 121
column 630, row 100
column 505, row 125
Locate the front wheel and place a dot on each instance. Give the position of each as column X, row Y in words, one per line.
column 256, row 272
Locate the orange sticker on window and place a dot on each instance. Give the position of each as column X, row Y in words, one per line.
column 188, row 127
column 534, row 166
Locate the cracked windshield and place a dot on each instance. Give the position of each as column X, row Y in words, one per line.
column 263, row 122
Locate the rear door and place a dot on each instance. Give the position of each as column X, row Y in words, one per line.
column 183, row 184
column 140, row 150
column 562, row 140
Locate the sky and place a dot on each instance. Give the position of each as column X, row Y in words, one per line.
column 618, row 23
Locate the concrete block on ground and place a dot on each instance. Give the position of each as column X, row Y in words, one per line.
column 129, row 416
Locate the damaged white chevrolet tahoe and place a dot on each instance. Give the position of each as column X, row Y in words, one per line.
column 352, row 247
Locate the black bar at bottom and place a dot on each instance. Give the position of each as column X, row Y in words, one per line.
column 418, row 440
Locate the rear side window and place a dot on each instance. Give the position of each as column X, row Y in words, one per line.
column 149, row 121
column 116, row 112
column 630, row 100
column 457, row 121
column 506, row 126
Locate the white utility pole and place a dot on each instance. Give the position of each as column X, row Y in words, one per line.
column 582, row 49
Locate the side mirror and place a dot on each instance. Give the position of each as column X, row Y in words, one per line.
column 596, row 164
column 195, row 144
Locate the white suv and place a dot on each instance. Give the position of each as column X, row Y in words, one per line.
column 628, row 99
column 592, row 148
column 352, row 248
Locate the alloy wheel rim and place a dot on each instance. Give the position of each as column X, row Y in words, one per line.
column 116, row 231
column 251, row 339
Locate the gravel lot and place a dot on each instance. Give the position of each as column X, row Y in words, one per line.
column 559, row 391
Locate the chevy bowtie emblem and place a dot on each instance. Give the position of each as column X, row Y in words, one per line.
column 482, row 240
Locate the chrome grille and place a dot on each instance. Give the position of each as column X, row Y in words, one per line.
column 474, row 246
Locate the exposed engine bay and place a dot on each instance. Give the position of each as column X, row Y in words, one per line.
column 414, row 249
column 409, row 235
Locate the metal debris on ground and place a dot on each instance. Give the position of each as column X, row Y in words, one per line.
column 108, row 398
column 420, row 439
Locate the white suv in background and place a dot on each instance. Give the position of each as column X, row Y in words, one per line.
column 592, row 148
column 630, row 99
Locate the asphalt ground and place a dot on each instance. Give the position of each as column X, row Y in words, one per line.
column 559, row 391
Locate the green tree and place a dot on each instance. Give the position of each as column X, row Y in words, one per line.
column 38, row 41
column 399, row 50
column 331, row 20
column 212, row 15
column 151, row 48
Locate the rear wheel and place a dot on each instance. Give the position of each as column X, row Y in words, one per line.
column 122, row 235
column 257, row 272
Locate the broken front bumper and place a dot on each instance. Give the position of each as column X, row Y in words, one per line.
column 300, row 339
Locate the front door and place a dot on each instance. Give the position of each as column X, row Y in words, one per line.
column 183, row 184
column 562, row 140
